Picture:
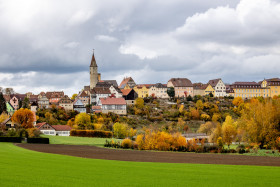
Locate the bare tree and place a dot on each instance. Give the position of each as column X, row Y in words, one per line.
column 9, row 91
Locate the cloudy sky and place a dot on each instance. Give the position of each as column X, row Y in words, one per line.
column 47, row 45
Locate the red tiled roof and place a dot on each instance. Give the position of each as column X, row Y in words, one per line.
column 39, row 125
column 96, row 107
column 100, row 90
column 214, row 82
column 181, row 82
column 126, row 91
column 62, row 127
column 49, row 94
column 83, row 94
column 112, row 101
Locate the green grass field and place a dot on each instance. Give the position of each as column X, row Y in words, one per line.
column 73, row 140
column 21, row 167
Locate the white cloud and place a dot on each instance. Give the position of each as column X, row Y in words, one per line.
column 105, row 38
column 80, row 17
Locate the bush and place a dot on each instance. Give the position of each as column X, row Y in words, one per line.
column 126, row 143
column 38, row 140
column 10, row 139
column 34, row 132
column 112, row 144
column 91, row 133
column 241, row 149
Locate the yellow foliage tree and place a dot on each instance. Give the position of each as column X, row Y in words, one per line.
column 207, row 128
column 181, row 109
column 199, row 105
column 205, row 117
column 3, row 117
column 24, row 117
column 120, row 130
column 139, row 103
column 237, row 101
column 229, row 130
column 216, row 133
column 82, row 120
column 216, row 117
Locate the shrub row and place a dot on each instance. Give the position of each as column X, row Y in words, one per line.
column 91, row 133
column 10, row 139
column 38, row 140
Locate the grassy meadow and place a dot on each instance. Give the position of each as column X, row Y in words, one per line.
column 73, row 140
column 21, row 167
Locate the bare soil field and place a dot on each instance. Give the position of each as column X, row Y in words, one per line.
column 151, row 156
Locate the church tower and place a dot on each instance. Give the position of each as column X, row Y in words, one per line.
column 93, row 72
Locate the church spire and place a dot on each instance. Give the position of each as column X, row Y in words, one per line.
column 93, row 62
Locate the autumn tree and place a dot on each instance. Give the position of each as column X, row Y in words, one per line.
column 216, row 117
column 181, row 109
column 195, row 114
column 3, row 117
column 83, row 120
column 24, row 117
column 74, row 96
column 229, row 130
column 50, row 119
column 207, row 128
column 205, row 117
column 180, row 125
column 237, row 101
column 260, row 121
column 199, row 105
column 139, row 103
column 216, row 133
column 120, row 130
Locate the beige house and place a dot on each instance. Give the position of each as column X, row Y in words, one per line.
column 183, row 87
column 114, row 105
column 158, row 90
column 66, row 103
column 199, row 89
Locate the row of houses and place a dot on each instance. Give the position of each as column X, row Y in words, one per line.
column 183, row 87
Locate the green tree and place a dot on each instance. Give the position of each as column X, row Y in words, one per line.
column 171, row 92
column 3, row 107
column 25, row 103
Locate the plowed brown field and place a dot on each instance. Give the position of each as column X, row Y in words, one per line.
column 150, row 156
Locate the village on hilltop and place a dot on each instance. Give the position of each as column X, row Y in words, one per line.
column 106, row 96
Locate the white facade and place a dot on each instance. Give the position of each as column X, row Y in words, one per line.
column 114, row 91
column 95, row 98
column 159, row 92
column 220, row 89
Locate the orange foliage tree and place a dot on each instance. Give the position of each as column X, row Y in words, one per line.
column 24, row 117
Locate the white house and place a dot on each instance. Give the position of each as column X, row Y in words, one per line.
column 219, row 87
column 97, row 93
column 114, row 105
column 59, row 130
column 115, row 91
